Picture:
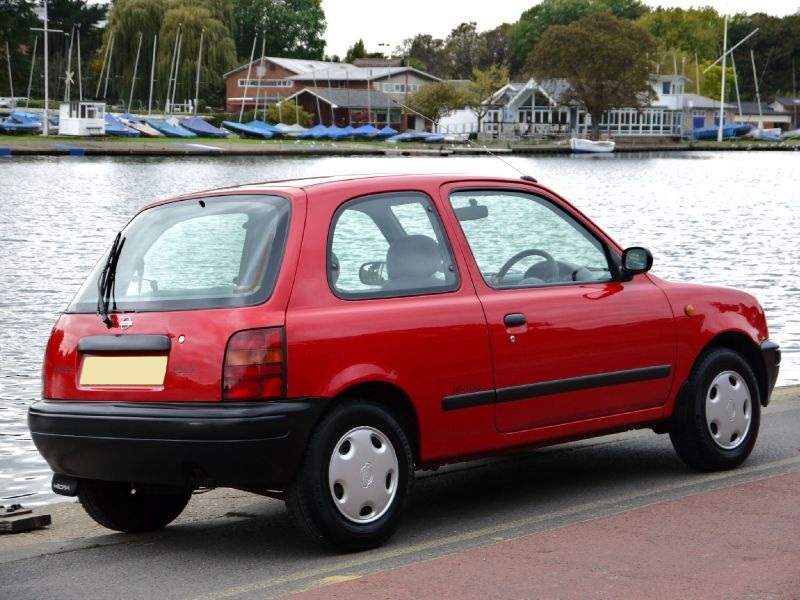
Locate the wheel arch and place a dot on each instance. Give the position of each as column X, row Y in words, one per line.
column 393, row 399
column 743, row 345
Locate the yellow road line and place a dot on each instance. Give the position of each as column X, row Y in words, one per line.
column 350, row 565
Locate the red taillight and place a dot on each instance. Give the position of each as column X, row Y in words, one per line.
column 254, row 365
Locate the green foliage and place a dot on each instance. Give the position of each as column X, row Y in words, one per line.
column 495, row 47
column 427, row 54
column 289, row 113
column 776, row 50
column 16, row 19
column 355, row 51
column 463, row 47
column 712, row 81
column 130, row 17
column 697, row 30
column 533, row 23
column 291, row 28
column 603, row 58
column 434, row 100
column 482, row 85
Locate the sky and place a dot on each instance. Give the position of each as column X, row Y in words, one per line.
column 384, row 24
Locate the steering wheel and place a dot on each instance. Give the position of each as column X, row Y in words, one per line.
column 553, row 275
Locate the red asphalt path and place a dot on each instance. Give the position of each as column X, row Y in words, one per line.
column 737, row 543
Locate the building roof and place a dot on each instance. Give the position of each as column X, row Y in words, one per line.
column 296, row 65
column 336, row 72
column 342, row 98
column 752, row 108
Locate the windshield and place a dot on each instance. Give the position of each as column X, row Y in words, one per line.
column 199, row 253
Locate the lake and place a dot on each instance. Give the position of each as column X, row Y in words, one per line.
column 727, row 218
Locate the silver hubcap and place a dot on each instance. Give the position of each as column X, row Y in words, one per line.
column 362, row 474
column 728, row 410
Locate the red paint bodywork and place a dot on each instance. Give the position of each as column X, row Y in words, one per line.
column 418, row 350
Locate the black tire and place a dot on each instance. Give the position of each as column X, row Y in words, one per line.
column 113, row 505
column 715, row 426
column 356, row 505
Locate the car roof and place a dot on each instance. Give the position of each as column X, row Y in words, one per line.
column 322, row 181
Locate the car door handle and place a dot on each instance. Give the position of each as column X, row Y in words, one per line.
column 514, row 319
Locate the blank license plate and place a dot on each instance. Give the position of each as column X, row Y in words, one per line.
column 123, row 370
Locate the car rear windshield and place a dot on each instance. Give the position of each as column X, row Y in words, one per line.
column 213, row 252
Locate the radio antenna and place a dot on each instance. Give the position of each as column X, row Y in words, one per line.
column 522, row 174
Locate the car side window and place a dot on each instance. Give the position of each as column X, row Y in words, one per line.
column 389, row 245
column 524, row 240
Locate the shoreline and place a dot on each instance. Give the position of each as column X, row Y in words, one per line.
column 69, row 146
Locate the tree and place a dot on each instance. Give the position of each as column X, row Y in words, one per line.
column 527, row 32
column 219, row 54
column 291, row 28
column 776, row 50
column 495, row 47
column 289, row 113
column 605, row 61
column 435, row 100
column 463, row 47
column 16, row 19
column 130, row 17
column 125, row 20
column 425, row 53
column 694, row 31
column 482, row 86
column 355, row 51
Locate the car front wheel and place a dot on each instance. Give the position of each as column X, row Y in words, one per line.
column 356, row 476
column 717, row 426
column 119, row 507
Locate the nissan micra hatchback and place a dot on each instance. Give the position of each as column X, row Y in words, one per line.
column 319, row 340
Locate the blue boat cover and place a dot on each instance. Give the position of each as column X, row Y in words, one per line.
column 367, row 131
column 386, row 132
column 247, row 130
column 264, row 126
column 115, row 127
column 170, row 130
column 203, row 128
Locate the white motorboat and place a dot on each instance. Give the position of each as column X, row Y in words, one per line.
column 582, row 145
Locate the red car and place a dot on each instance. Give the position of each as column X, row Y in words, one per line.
column 319, row 340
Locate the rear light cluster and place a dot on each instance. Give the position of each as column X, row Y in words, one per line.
column 255, row 366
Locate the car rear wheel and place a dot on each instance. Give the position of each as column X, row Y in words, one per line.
column 717, row 426
column 116, row 506
column 356, row 476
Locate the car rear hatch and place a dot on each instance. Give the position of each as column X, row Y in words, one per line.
column 186, row 306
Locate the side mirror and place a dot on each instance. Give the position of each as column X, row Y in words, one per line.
column 636, row 260
column 373, row 273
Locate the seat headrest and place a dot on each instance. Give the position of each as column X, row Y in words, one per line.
column 413, row 256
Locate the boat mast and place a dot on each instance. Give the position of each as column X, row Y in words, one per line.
column 108, row 70
column 177, row 64
column 197, row 78
column 46, row 30
column 135, row 69
column 172, row 68
column 722, row 90
column 247, row 81
column 68, row 74
column 30, row 77
column 80, row 75
column 152, row 75
column 10, row 80
column 758, row 96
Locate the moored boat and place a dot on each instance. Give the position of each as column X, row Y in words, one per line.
column 584, row 146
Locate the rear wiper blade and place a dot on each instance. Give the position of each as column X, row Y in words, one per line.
column 105, row 283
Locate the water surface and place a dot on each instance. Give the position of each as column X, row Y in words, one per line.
column 726, row 218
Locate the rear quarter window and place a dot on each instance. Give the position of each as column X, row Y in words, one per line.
column 198, row 253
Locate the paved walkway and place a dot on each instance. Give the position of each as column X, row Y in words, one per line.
column 738, row 543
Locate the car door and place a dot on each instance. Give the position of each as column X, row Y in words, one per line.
column 570, row 341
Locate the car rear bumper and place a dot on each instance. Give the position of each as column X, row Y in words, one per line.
column 771, row 352
column 247, row 445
